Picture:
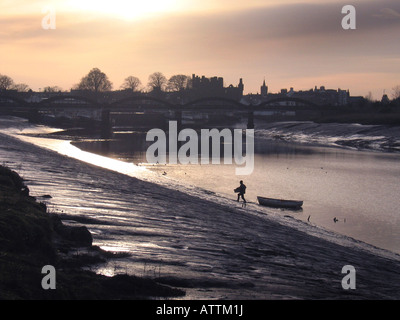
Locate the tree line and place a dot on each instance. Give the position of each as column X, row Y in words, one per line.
column 97, row 81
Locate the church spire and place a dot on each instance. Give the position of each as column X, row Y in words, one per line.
column 264, row 89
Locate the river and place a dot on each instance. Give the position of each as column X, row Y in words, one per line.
column 216, row 248
column 346, row 174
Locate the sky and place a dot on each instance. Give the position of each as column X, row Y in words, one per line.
column 289, row 43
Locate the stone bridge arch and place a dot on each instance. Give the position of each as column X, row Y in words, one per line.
column 13, row 99
column 72, row 98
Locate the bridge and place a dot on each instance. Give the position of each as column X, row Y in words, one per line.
column 71, row 106
column 68, row 100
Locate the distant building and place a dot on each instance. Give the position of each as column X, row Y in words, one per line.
column 385, row 99
column 319, row 96
column 214, row 87
column 264, row 89
column 203, row 83
column 357, row 101
column 343, row 97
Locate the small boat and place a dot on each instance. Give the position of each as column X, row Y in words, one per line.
column 280, row 203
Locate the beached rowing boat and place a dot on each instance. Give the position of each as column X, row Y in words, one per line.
column 280, row 203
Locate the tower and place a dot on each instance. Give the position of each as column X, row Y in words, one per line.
column 264, row 89
column 241, row 87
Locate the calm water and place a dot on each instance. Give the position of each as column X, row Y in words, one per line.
column 224, row 253
column 359, row 188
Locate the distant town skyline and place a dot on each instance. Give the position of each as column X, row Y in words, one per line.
column 298, row 44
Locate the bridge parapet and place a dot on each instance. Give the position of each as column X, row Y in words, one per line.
column 74, row 106
column 144, row 101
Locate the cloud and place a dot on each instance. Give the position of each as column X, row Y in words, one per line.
column 281, row 40
column 285, row 22
column 280, row 22
column 387, row 13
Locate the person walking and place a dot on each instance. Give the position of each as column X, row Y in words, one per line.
column 241, row 191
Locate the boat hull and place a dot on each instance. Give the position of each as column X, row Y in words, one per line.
column 280, row 203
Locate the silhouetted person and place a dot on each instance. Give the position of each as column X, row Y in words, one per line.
column 242, row 191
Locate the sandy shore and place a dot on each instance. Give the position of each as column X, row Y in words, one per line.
column 249, row 257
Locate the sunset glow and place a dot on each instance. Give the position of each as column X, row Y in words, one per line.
column 290, row 44
column 126, row 9
column 178, row 150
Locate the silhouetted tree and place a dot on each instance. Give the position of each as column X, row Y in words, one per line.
column 369, row 97
column 157, row 82
column 396, row 92
column 21, row 87
column 178, row 82
column 6, row 82
column 95, row 81
column 131, row 83
column 52, row 89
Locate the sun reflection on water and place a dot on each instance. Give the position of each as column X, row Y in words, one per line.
column 65, row 147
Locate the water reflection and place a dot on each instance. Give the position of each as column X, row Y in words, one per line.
column 132, row 147
column 361, row 187
column 66, row 148
column 357, row 187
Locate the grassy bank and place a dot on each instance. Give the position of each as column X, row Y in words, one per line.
column 31, row 238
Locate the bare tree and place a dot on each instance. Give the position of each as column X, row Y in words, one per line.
column 6, row 82
column 396, row 92
column 131, row 83
column 52, row 89
column 369, row 97
column 157, row 81
column 178, row 82
column 21, row 87
column 95, row 81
